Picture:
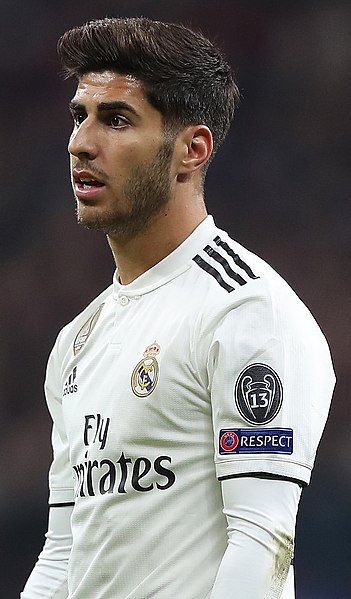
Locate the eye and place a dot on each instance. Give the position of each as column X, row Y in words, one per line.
column 117, row 121
column 78, row 118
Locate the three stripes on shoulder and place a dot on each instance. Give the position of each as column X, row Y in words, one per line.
column 242, row 271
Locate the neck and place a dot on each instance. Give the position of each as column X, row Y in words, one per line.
column 162, row 235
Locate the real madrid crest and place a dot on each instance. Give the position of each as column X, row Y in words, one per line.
column 145, row 374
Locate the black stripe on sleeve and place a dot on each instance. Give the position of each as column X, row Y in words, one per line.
column 69, row 503
column 235, row 257
column 213, row 272
column 266, row 475
column 216, row 256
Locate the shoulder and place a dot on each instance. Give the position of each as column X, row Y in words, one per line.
column 228, row 275
column 236, row 284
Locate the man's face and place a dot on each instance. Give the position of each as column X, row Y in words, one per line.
column 120, row 157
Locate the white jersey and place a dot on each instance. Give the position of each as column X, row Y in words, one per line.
column 205, row 367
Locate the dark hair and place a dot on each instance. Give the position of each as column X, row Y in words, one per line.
column 183, row 74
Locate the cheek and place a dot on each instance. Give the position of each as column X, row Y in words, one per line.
column 124, row 160
column 132, row 148
column 136, row 148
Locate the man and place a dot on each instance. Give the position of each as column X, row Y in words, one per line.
column 189, row 398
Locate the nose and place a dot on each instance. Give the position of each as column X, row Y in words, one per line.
column 82, row 142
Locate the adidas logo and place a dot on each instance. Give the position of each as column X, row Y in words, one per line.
column 70, row 385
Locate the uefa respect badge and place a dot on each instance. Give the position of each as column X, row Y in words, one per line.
column 256, row 440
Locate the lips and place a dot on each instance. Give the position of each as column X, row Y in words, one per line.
column 86, row 184
column 85, row 177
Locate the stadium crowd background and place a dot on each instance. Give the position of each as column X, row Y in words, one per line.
column 280, row 185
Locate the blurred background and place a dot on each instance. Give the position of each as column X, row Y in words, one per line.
column 280, row 185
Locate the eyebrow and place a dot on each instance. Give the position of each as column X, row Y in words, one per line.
column 104, row 106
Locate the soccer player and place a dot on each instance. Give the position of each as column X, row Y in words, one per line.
column 189, row 398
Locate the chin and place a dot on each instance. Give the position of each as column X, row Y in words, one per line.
column 88, row 216
column 99, row 220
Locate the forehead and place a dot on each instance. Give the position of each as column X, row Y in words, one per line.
column 108, row 86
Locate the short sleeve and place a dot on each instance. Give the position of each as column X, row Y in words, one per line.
column 271, row 383
column 61, row 488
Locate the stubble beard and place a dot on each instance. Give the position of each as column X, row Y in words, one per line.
column 146, row 191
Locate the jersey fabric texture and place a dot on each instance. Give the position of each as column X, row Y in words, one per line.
column 205, row 367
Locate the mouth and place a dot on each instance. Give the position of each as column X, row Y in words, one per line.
column 86, row 185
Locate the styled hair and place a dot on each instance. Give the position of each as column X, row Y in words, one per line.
column 184, row 76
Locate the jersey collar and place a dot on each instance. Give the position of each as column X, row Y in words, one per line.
column 170, row 267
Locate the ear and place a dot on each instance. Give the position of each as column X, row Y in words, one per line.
column 196, row 146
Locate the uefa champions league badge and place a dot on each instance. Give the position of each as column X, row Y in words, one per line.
column 258, row 394
column 145, row 374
